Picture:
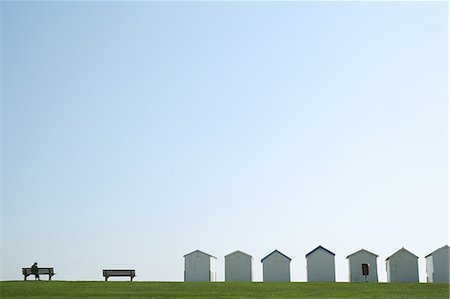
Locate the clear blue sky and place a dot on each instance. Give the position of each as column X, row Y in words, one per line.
column 134, row 133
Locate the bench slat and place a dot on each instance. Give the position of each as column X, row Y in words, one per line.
column 119, row 273
column 40, row 270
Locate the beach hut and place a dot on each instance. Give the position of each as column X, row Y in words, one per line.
column 402, row 266
column 199, row 266
column 276, row 267
column 361, row 261
column 320, row 265
column 437, row 265
column 238, row 266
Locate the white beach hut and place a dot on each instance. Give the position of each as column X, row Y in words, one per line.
column 238, row 266
column 402, row 266
column 437, row 265
column 276, row 267
column 320, row 265
column 199, row 266
column 360, row 259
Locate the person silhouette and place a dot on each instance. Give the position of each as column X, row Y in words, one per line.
column 35, row 271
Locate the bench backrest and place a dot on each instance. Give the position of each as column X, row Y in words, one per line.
column 27, row 271
column 119, row 272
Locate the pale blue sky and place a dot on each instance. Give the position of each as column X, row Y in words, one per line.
column 134, row 133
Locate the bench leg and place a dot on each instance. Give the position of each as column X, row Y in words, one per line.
column 106, row 278
column 24, row 277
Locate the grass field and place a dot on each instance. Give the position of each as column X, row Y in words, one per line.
column 97, row 289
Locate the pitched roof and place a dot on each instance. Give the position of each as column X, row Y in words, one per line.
column 362, row 250
column 275, row 251
column 402, row 249
column 199, row 252
column 317, row 248
column 443, row 247
column 238, row 251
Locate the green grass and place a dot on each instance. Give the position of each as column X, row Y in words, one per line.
column 100, row 289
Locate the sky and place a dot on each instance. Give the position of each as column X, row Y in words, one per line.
column 136, row 132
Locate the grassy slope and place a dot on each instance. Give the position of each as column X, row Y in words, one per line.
column 78, row 289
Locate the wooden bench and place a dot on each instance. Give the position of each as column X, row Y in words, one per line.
column 45, row 271
column 109, row 273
